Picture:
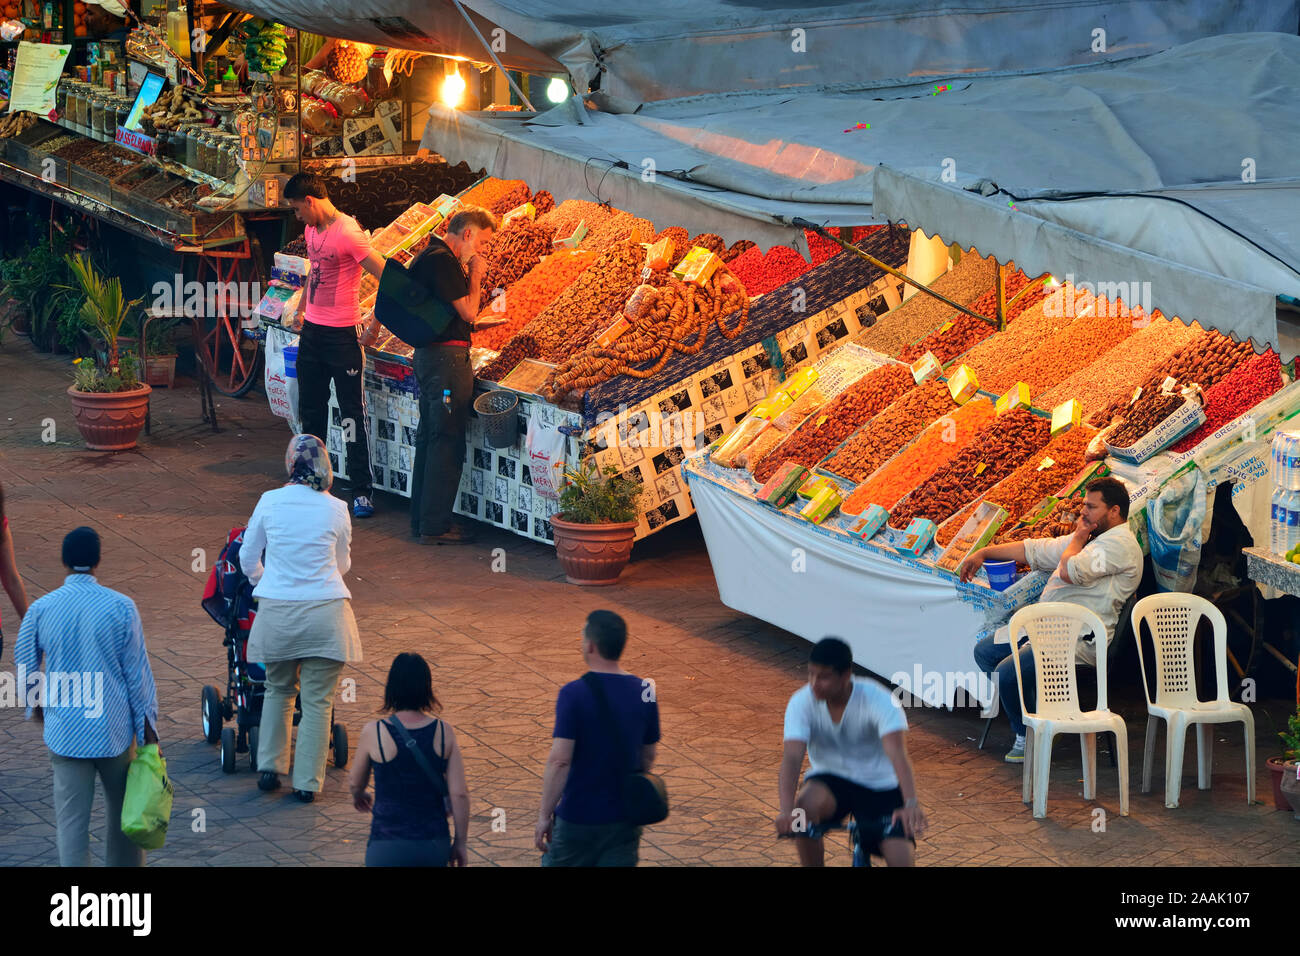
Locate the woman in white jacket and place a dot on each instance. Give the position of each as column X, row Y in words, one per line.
column 304, row 631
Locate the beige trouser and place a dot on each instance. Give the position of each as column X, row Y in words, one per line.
column 319, row 679
column 74, row 793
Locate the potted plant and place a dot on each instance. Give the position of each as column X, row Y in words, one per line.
column 158, row 352
column 14, row 273
column 108, row 400
column 595, row 524
column 1283, row 768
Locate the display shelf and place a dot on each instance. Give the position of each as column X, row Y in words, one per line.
column 1265, row 567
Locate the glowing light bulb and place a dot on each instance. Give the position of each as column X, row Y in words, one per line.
column 557, row 91
column 453, row 89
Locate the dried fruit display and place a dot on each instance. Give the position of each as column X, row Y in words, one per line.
column 737, row 247
column 605, row 224
column 1031, row 482
column 511, row 254
column 937, row 446
column 967, row 332
column 671, row 316
column 1060, row 520
column 1029, row 330
column 710, row 241
column 497, row 196
column 922, row 314
column 1149, row 412
column 524, row 299
column 543, row 202
column 1063, row 354
column 681, row 241
column 1001, row 447
column 823, row 431
column 1240, row 390
column 761, row 273
column 585, row 308
column 889, row 431
column 1204, row 361
column 1114, row 375
column 820, row 247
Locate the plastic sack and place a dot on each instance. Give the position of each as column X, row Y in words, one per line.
column 1175, row 518
column 281, row 375
column 147, row 806
column 544, row 451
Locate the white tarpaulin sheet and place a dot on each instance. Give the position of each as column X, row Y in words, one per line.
column 816, row 581
column 1180, row 165
column 671, row 48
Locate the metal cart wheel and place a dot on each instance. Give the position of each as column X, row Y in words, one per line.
column 211, row 714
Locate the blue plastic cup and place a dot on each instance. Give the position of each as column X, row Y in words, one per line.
column 291, row 361
column 1002, row 574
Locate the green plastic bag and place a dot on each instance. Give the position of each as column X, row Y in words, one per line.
column 147, row 807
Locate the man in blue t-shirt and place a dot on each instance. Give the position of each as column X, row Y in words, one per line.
column 581, row 821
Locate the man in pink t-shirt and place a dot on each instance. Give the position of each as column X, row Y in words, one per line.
column 328, row 349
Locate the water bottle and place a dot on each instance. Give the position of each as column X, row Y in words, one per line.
column 1275, row 460
column 1292, row 521
column 1278, row 520
column 446, row 400
column 1291, row 465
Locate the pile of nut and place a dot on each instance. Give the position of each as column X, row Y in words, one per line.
column 824, row 430
column 1146, row 414
column 1203, row 362
column 585, row 308
column 996, row 451
column 1063, row 354
column 605, row 225
column 922, row 314
column 1060, row 520
column 891, row 430
column 511, row 254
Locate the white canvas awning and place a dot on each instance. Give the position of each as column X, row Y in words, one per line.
column 646, row 51
column 1177, row 169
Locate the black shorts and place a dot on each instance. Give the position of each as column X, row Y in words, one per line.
column 873, row 810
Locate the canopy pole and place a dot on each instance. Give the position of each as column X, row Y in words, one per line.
column 897, row 274
column 1002, row 299
column 487, row 46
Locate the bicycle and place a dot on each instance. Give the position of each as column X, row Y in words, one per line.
column 818, row 830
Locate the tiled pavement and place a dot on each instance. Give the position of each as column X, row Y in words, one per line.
column 501, row 645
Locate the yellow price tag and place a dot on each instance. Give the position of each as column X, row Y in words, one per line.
column 979, row 469
column 1045, row 464
column 946, row 326
column 821, row 421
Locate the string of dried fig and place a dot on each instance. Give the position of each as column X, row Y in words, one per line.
column 676, row 319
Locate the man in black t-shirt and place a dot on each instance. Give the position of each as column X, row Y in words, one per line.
column 453, row 270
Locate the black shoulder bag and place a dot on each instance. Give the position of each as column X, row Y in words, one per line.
column 644, row 796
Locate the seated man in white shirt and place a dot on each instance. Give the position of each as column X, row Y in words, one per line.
column 1098, row 567
column 852, row 730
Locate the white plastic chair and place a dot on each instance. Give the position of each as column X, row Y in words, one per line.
column 1054, row 630
column 1172, row 619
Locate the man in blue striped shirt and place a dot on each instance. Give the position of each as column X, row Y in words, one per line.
column 95, row 695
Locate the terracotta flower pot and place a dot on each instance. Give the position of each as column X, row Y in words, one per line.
column 19, row 320
column 110, row 421
column 1278, row 767
column 1290, row 787
column 592, row 554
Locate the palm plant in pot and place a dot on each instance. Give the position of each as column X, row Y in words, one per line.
column 108, row 400
column 595, row 525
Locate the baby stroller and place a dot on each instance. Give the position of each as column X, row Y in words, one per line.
column 228, row 599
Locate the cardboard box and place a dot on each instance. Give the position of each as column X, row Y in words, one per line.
column 822, row 505
column 977, row 531
column 816, row 483
column 869, row 525
column 526, row 211
column 924, row 367
column 918, row 537
column 612, row 334
column 1016, row 397
column 660, row 255
column 782, row 487
column 572, row 241
column 1094, row 469
column 1066, row 415
column 963, row 385
column 698, row 266
column 797, row 384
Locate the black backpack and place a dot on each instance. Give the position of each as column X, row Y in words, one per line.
column 644, row 796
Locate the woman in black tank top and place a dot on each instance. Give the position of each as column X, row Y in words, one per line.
column 419, row 775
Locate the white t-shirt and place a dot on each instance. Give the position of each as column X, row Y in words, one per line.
column 850, row 749
column 1105, row 574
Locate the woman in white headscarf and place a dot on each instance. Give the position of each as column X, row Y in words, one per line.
column 304, row 631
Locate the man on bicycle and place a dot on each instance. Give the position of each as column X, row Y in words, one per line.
column 853, row 732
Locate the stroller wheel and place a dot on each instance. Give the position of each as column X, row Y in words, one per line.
column 339, row 742
column 211, row 714
column 228, row 750
column 252, row 747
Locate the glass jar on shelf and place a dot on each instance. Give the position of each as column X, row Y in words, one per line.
column 61, row 96
column 77, row 103
column 97, row 112
column 191, row 133
column 110, row 116
column 207, row 152
column 124, row 104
